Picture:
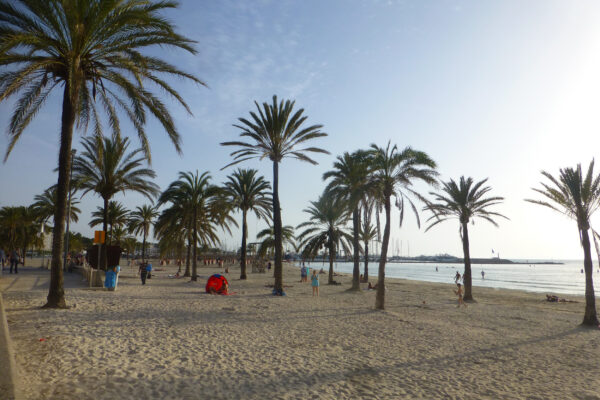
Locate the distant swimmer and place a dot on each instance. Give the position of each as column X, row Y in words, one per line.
column 482, row 274
column 436, row 269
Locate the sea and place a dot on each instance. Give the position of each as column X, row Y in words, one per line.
column 566, row 278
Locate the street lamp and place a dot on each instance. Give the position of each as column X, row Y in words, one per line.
column 73, row 151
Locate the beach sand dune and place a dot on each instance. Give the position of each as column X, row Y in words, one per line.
column 170, row 340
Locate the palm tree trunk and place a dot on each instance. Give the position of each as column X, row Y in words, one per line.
column 331, row 250
column 467, row 274
column 56, row 294
column 103, row 257
column 366, row 272
column 144, row 247
column 195, row 246
column 243, row 252
column 356, row 245
column 380, row 298
column 278, row 269
column 187, row 260
column 590, row 317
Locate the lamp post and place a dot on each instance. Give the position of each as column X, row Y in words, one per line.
column 73, row 151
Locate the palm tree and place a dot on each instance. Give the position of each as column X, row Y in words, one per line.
column 267, row 239
column 204, row 209
column 275, row 133
column 349, row 182
column 325, row 228
column 463, row 201
column 393, row 175
column 247, row 192
column 106, row 168
column 367, row 232
column 140, row 222
column 174, row 226
column 117, row 216
column 578, row 197
column 19, row 228
column 93, row 51
column 45, row 205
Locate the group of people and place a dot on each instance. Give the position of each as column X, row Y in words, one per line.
column 314, row 279
column 11, row 258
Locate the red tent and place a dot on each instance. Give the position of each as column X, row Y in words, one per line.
column 217, row 284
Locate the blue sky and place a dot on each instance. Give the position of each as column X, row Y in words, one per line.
column 498, row 89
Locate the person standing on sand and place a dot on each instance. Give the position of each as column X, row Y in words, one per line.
column 482, row 274
column 14, row 260
column 143, row 272
column 459, row 293
column 315, row 283
column 457, row 277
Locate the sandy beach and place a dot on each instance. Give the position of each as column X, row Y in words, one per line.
column 170, row 340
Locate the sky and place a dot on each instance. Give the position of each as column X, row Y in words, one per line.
column 494, row 89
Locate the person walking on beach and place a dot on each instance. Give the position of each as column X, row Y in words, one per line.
column 143, row 272
column 459, row 293
column 315, row 283
column 14, row 261
column 457, row 277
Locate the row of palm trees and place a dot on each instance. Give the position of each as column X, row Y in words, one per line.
column 366, row 181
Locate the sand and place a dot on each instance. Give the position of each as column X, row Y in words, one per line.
column 169, row 340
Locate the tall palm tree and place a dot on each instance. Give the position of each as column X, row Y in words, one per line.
column 464, row 201
column 325, row 228
column 393, row 175
column 45, row 205
column 267, row 239
column 349, row 182
column 117, row 216
column 105, row 167
column 577, row 196
column 275, row 133
column 248, row 192
column 140, row 221
column 206, row 209
column 92, row 48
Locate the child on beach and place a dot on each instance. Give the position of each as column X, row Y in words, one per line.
column 315, row 283
column 459, row 293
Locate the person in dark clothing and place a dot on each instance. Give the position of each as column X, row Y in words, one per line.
column 143, row 272
column 14, row 261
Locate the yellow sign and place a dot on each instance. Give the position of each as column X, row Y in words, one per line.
column 99, row 237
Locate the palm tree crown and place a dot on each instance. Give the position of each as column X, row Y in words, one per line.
column 463, row 201
column 106, row 168
column 274, row 133
column 93, row 51
column 45, row 205
column 576, row 195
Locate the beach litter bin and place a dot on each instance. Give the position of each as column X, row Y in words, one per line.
column 110, row 279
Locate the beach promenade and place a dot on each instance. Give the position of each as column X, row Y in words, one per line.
column 170, row 340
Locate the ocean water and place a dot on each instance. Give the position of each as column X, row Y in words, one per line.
column 542, row 278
